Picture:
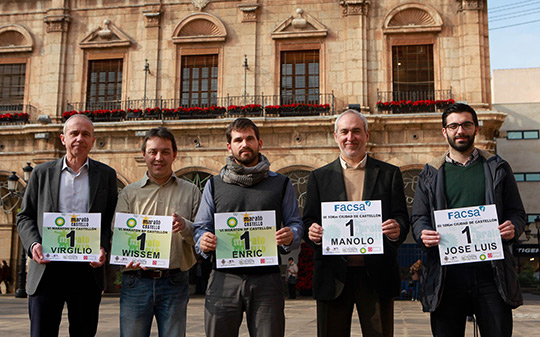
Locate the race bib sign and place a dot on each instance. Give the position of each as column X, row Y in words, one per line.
column 352, row 227
column 246, row 239
column 144, row 239
column 469, row 234
column 71, row 237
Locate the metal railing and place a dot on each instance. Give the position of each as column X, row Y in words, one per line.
column 290, row 104
column 413, row 101
column 17, row 113
column 387, row 96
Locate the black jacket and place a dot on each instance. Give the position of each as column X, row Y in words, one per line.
column 501, row 190
column 382, row 182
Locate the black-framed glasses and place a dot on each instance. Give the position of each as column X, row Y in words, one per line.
column 465, row 125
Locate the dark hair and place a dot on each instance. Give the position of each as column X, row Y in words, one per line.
column 160, row 132
column 241, row 124
column 458, row 108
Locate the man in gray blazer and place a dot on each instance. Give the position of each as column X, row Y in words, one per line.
column 342, row 281
column 74, row 183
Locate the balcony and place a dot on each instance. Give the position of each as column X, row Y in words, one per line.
column 398, row 102
column 219, row 107
column 16, row 113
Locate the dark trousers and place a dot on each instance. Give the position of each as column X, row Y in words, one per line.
column 260, row 296
column 376, row 313
column 471, row 290
column 65, row 282
column 292, row 290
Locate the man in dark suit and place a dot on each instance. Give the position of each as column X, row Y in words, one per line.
column 74, row 183
column 369, row 281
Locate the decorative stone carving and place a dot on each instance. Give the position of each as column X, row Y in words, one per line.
column 412, row 18
column 199, row 27
column 152, row 19
column 299, row 22
column 249, row 12
column 15, row 38
column 301, row 26
column 200, row 4
column 355, row 7
column 106, row 37
column 57, row 23
column 152, row 15
column 464, row 5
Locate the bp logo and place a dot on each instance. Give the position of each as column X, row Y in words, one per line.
column 131, row 222
column 363, row 250
column 60, row 221
column 232, row 222
column 482, row 257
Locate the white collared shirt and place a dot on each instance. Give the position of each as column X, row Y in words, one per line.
column 361, row 164
column 74, row 189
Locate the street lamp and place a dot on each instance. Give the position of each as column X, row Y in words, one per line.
column 9, row 202
column 146, row 72
column 245, row 65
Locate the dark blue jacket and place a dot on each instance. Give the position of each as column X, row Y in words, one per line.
column 501, row 190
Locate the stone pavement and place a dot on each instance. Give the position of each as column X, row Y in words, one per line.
column 300, row 315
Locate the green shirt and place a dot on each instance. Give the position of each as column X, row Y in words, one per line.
column 465, row 186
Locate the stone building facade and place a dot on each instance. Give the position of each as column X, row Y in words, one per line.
column 62, row 55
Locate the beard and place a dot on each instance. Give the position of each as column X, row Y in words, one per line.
column 464, row 146
column 241, row 158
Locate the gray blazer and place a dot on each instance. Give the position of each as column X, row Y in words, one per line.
column 41, row 196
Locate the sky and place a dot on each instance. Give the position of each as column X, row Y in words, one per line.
column 514, row 33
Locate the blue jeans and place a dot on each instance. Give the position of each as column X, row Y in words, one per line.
column 142, row 298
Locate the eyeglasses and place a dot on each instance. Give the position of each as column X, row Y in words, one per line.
column 465, row 125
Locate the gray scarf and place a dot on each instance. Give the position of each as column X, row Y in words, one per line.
column 234, row 173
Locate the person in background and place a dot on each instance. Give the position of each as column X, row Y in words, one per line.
column 292, row 277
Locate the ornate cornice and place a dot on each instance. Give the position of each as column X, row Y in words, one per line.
column 249, row 12
column 152, row 16
column 57, row 23
column 152, row 19
column 465, row 5
column 355, row 7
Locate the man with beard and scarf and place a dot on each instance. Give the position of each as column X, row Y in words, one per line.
column 467, row 176
column 245, row 184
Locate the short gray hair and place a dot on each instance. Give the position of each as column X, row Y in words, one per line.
column 78, row 116
column 349, row 111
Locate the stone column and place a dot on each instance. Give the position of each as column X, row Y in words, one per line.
column 57, row 19
column 355, row 72
column 152, row 18
column 249, row 43
column 474, row 48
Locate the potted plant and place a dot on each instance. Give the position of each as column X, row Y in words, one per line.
column 152, row 113
column 133, row 113
column 168, row 113
column 235, row 110
column 101, row 115
column 216, row 111
column 252, row 110
column 272, row 109
column 182, row 113
column 197, row 112
column 321, row 108
column 117, row 115
column 68, row 114
column 305, row 270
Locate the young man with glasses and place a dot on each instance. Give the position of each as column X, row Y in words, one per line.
column 467, row 176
